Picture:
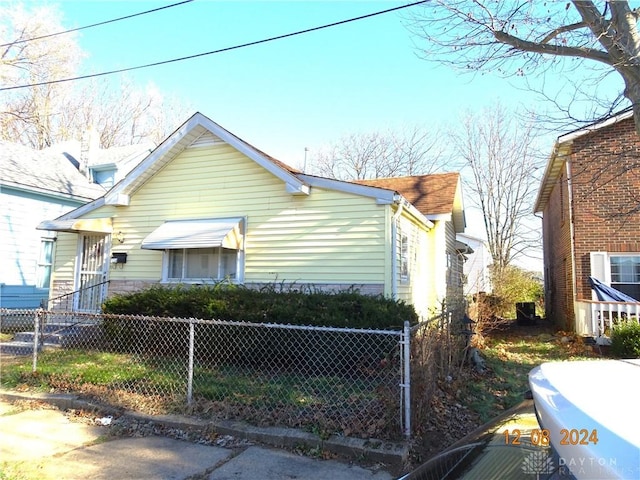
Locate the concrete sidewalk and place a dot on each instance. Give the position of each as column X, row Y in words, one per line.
column 46, row 444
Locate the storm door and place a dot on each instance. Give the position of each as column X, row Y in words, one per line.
column 92, row 273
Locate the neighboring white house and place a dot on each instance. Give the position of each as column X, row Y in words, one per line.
column 40, row 184
column 476, row 266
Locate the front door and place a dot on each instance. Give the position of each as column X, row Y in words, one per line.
column 92, row 273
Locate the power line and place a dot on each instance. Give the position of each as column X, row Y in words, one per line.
column 94, row 24
column 221, row 50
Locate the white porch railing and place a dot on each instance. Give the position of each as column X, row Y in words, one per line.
column 604, row 316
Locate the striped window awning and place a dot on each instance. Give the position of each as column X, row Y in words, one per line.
column 200, row 233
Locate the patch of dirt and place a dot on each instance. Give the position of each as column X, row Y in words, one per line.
column 450, row 420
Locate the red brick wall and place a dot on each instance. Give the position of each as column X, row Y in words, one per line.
column 605, row 208
column 557, row 256
column 606, row 196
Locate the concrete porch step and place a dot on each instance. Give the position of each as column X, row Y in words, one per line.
column 53, row 335
column 46, row 338
column 17, row 348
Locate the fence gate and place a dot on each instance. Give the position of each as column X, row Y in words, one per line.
column 92, row 273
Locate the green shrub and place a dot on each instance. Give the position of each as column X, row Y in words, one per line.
column 625, row 339
column 513, row 285
column 258, row 346
column 230, row 302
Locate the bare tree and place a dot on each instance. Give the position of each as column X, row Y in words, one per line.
column 42, row 115
column 522, row 38
column 360, row 156
column 30, row 116
column 124, row 114
column 501, row 158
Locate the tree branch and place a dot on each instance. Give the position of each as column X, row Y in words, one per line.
column 558, row 50
column 563, row 29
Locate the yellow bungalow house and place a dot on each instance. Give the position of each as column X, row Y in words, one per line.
column 205, row 206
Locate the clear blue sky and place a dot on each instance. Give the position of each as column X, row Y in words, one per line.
column 283, row 96
column 304, row 91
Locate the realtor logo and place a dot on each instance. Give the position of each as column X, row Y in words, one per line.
column 537, row 463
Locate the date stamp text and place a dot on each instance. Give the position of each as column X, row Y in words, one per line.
column 541, row 437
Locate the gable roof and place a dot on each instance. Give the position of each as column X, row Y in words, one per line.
column 562, row 148
column 436, row 196
column 44, row 172
column 199, row 131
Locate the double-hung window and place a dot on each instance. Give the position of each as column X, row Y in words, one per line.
column 200, row 250
column 618, row 270
column 45, row 263
column 625, row 274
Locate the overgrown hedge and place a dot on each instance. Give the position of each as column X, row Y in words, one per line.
column 302, row 351
column 268, row 305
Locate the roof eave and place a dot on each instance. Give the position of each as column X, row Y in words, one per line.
column 383, row 196
column 46, row 192
column 413, row 211
column 571, row 136
column 561, row 151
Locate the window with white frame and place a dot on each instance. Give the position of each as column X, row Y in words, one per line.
column 618, row 270
column 201, row 264
column 625, row 274
column 104, row 175
column 200, row 250
column 404, row 258
column 45, row 263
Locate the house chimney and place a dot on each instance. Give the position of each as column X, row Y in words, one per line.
column 88, row 148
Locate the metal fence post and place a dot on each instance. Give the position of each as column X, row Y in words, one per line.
column 405, row 342
column 191, row 351
column 36, row 336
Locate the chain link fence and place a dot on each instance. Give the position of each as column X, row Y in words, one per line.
column 438, row 351
column 327, row 380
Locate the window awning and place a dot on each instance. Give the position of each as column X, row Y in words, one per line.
column 201, row 233
column 77, row 225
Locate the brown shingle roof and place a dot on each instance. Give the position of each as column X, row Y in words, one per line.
column 430, row 194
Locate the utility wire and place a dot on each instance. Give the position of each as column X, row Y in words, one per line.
column 221, row 50
column 94, row 24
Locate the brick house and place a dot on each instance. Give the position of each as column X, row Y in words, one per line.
column 589, row 198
